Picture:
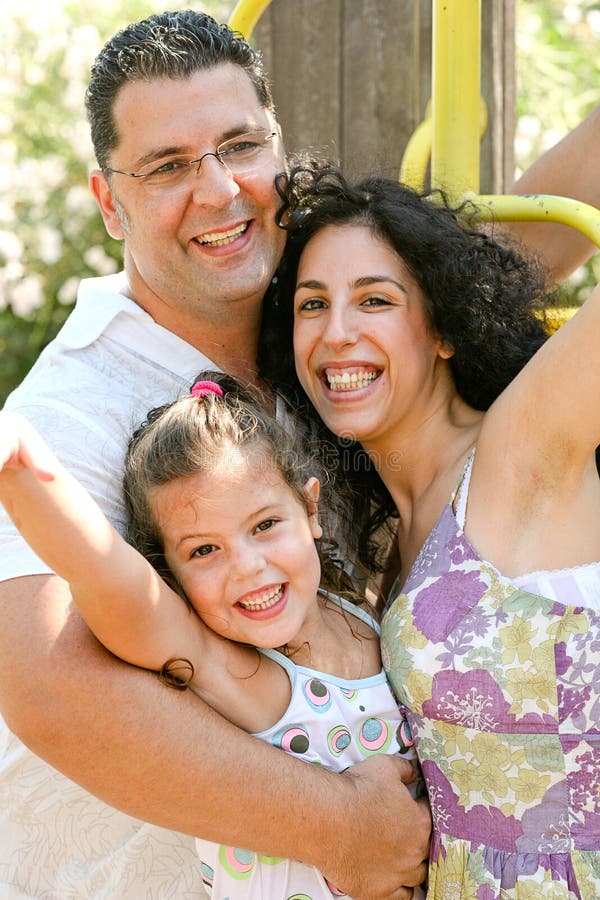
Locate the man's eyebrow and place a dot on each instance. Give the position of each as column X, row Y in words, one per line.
column 163, row 152
column 159, row 153
column 244, row 128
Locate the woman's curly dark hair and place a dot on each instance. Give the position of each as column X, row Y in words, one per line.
column 482, row 298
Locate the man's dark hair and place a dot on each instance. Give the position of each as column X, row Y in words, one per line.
column 166, row 45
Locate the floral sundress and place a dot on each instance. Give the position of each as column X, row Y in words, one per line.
column 501, row 689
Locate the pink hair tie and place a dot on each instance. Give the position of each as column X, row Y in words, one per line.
column 202, row 388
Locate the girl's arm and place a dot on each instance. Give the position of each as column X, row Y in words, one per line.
column 124, row 601
column 127, row 605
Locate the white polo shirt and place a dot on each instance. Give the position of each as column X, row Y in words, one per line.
column 89, row 388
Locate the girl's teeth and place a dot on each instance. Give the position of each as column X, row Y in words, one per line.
column 347, row 381
column 265, row 601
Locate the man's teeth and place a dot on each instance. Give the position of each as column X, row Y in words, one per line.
column 265, row 600
column 220, row 238
column 350, row 381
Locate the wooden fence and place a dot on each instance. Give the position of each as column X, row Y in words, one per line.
column 352, row 79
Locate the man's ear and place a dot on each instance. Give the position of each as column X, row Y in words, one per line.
column 100, row 189
column 312, row 489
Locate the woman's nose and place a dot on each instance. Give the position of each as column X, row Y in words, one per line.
column 340, row 329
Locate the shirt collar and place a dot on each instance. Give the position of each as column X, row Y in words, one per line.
column 103, row 310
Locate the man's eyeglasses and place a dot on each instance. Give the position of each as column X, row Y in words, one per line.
column 240, row 155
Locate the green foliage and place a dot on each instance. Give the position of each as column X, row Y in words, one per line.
column 51, row 234
column 558, row 84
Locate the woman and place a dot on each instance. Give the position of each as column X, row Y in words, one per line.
column 419, row 341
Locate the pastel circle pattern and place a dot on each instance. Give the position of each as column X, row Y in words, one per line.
column 317, row 694
column 375, row 736
column 404, row 736
column 292, row 739
column 208, row 874
column 238, row 863
column 338, row 739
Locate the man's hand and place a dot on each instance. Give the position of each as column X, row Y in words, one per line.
column 383, row 843
column 167, row 758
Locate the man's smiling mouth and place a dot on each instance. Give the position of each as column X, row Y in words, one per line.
column 221, row 238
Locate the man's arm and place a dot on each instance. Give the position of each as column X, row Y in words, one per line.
column 166, row 757
column 569, row 170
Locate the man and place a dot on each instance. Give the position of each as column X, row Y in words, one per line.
column 200, row 250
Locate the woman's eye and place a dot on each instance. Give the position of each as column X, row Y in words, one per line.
column 375, row 301
column 312, row 304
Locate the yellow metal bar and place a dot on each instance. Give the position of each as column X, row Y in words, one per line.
column 456, row 75
column 413, row 166
column 246, row 14
column 539, row 208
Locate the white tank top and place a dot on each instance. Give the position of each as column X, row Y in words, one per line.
column 581, row 584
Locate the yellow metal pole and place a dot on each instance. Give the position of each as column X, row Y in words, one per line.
column 539, row 208
column 413, row 166
column 456, row 53
column 246, row 14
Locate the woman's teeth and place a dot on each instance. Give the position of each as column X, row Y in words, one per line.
column 350, row 381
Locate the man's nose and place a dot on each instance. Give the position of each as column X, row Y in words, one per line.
column 214, row 185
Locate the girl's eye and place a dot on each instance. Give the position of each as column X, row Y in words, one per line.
column 266, row 525
column 204, row 550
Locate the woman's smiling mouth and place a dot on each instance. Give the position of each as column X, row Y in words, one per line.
column 350, row 379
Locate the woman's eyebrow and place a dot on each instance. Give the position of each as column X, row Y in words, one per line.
column 311, row 284
column 366, row 280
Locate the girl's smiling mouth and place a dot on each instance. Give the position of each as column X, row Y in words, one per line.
column 266, row 599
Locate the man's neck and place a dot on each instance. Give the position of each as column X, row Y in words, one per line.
column 231, row 344
column 226, row 333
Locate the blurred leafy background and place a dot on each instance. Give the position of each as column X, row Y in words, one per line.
column 50, row 232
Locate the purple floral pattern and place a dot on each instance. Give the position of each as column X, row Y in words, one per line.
column 501, row 689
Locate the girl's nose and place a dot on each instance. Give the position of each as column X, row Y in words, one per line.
column 247, row 560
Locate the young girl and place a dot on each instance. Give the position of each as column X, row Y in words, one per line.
column 225, row 509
